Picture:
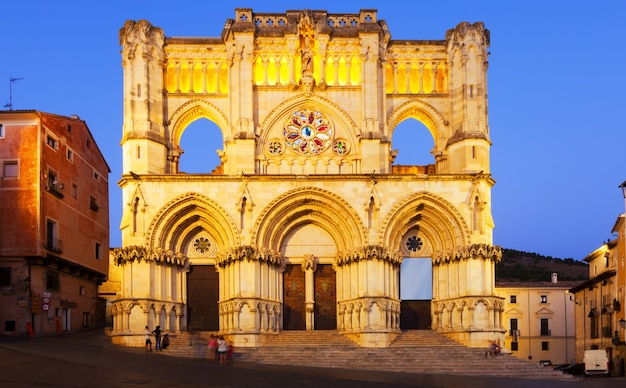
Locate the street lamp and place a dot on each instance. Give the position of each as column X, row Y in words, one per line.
column 622, row 321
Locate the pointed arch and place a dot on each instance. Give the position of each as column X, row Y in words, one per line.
column 309, row 205
column 277, row 117
column 439, row 222
column 191, row 111
column 425, row 113
column 185, row 216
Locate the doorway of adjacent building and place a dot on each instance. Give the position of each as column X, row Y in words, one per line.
column 202, row 298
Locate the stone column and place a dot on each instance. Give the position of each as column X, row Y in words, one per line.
column 309, row 266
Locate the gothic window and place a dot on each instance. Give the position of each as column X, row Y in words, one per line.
column 135, row 209
column 341, row 147
column 275, row 147
column 308, row 132
column 370, row 212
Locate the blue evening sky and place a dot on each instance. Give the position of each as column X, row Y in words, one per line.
column 556, row 84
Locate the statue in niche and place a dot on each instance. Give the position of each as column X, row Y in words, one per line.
column 307, row 35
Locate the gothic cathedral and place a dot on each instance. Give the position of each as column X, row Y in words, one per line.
column 306, row 222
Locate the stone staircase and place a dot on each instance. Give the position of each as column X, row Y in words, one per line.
column 413, row 351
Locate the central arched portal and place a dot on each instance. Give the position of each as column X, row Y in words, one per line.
column 309, row 281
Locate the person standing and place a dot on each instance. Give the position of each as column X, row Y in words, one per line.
column 213, row 348
column 222, row 347
column 148, row 341
column 157, row 337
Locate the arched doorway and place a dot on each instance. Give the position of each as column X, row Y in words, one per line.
column 202, row 298
column 309, row 284
column 415, row 293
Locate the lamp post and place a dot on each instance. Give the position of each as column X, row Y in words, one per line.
column 621, row 279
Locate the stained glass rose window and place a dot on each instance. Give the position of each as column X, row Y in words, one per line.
column 308, row 132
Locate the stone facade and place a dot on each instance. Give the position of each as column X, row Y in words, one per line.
column 306, row 222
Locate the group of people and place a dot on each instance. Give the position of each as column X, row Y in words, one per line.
column 220, row 350
column 161, row 341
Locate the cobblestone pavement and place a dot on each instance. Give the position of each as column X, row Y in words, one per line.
column 89, row 359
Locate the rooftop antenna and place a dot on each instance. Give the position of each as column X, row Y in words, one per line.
column 11, row 82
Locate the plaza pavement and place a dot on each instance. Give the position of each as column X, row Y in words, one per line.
column 88, row 359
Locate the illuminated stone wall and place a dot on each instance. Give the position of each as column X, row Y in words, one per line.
column 307, row 102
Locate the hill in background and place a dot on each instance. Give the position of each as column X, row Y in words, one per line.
column 517, row 266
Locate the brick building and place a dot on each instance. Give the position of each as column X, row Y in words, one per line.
column 54, row 218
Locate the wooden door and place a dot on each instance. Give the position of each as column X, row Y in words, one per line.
column 294, row 298
column 202, row 298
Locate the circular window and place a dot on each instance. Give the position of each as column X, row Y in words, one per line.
column 202, row 244
column 308, row 132
column 414, row 243
column 341, row 146
column 275, row 147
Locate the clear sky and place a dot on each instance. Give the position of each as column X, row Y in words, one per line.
column 556, row 93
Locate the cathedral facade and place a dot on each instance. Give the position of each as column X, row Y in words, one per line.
column 306, row 222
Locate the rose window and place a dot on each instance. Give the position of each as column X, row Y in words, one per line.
column 308, row 132
column 414, row 243
column 202, row 244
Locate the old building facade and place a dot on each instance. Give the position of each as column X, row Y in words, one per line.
column 54, row 217
column 307, row 220
column 539, row 318
column 600, row 318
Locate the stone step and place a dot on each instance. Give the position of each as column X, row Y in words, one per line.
column 418, row 351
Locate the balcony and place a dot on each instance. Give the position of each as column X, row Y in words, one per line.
column 54, row 189
column 54, row 245
column 545, row 332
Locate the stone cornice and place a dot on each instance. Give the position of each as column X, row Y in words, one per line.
column 248, row 253
column 369, row 252
column 139, row 253
column 470, row 252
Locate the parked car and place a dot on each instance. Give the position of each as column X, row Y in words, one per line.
column 574, row 369
column 560, row 366
column 596, row 362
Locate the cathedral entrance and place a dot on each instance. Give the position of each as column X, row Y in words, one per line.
column 325, row 298
column 294, row 298
column 415, row 293
column 202, row 298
